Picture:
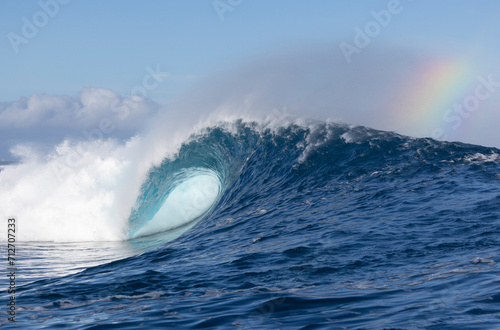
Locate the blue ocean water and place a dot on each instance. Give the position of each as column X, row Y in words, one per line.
column 321, row 226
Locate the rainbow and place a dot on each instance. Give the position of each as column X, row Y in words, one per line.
column 435, row 87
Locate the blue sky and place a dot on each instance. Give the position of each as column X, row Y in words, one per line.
column 111, row 44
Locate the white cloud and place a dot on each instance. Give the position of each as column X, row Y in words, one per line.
column 83, row 111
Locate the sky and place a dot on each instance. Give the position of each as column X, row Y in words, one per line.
column 416, row 67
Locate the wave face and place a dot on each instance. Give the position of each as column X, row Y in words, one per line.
column 182, row 189
column 319, row 225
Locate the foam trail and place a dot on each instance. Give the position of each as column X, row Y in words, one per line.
column 85, row 190
column 69, row 196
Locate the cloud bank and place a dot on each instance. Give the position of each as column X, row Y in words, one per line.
column 48, row 119
column 83, row 111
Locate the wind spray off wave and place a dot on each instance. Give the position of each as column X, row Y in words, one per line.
column 114, row 192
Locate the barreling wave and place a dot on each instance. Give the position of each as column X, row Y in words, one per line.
column 253, row 157
column 210, row 172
